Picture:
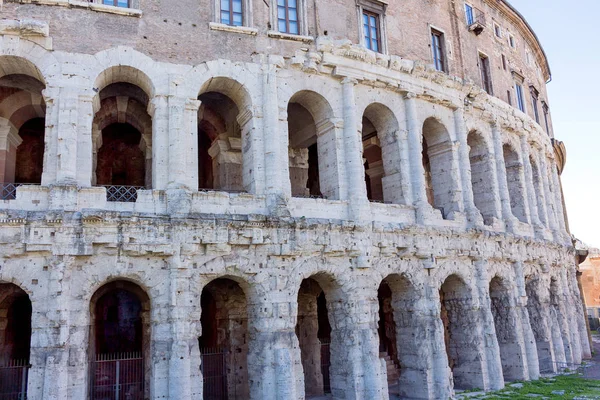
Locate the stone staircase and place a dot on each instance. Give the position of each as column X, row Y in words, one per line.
column 393, row 373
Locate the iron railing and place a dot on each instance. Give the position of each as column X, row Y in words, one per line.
column 476, row 20
column 117, row 376
column 325, row 363
column 214, row 373
column 13, row 380
column 122, row 193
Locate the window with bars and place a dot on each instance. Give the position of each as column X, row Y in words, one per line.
column 287, row 16
column 232, row 12
column 438, row 50
column 371, row 30
column 484, row 68
column 116, row 3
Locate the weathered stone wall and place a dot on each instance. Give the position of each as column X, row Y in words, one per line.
column 493, row 243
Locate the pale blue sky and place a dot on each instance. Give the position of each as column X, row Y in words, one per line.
column 568, row 31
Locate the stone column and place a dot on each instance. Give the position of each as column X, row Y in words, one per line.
column 183, row 143
column 274, row 364
column 85, row 164
column 185, row 381
column 158, row 109
column 310, row 345
column 50, row 354
column 275, row 145
column 492, row 368
column 546, row 181
column 9, row 141
column 355, row 172
column 355, row 370
column 531, row 359
column 530, row 195
column 473, row 214
column 571, row 316
column 560, row 213
column 507, row 214
column 415, row 156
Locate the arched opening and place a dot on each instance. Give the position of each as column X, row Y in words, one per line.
column 388, row 337
column 224, row 341
column 122, row 134
column 22, row 125
column 312, row 147
column 514, row 178
column 459, row 317
column 15, row 339
column 482, row 170
column 540, row 324
column 119, row 342
column 381, row 155
column 314, row 336
column 438, row 159
column 220, row 164
column 505, row 324
column 539, row 191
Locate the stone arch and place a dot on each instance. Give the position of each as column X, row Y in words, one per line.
column 22, row 123
column 382, row 154
column 224, row 130
column 319, row 342
column 512, row 352
column 459, row 317
column 482, row 173
column 120, row 334
column 122, row 128
column 438, row 160
column 544, row 324
column 15, row 325
column 515, row 181
column 401, row 322
column 313, row 168
column 224, row 340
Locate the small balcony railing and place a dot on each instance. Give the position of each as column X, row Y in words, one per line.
column 122, row 193
column 476, row 20
column 13, row 379
column 117, row 377
column 8, row 191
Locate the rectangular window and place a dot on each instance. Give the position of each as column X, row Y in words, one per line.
column 231, row 12
column 484, row 68
column 504, row 62
column 287, row 16
column 511, row 41
column 371, row 31
column 520, row 99
column 534, row 104
column 497, row 30
column 509, row 97
column 437, row 48
column 469, row 14
column 116, row 3
column 546, row 110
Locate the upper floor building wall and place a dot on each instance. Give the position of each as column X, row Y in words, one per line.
column 189, row 32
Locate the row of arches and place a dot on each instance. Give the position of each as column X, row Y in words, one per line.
column 120, row 355
column 125, row 124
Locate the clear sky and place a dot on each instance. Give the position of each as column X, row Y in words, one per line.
column 568, row 31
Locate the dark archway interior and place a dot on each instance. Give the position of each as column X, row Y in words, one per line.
column 387, row 326
column 427, row 169
column 15, row 324
column 304, row 154
column 30, row 153
column 118, row 323
column 120, row 159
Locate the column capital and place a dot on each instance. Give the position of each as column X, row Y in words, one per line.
column 349, row 80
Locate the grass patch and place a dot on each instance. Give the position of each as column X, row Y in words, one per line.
column 572, row 385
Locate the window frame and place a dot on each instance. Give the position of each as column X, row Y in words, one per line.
column 504, row 62
column 246, row 14
column 443, row 55
column 511, row 41
column 378, row 9
column 369, row 41
column 301, row 11
column 546, row 111
column 469, row 17
column 497, row 30
column 520, row 96
column 115, row 3
column 485, row 71
column 535, row 95
column 231, row 12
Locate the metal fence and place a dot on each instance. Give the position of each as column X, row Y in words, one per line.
column 214, row 373
column 126, row 194
column 118, row 376
column 13, row 380
column 325, row 362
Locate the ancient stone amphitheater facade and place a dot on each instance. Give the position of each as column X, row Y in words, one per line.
column 269, row 209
